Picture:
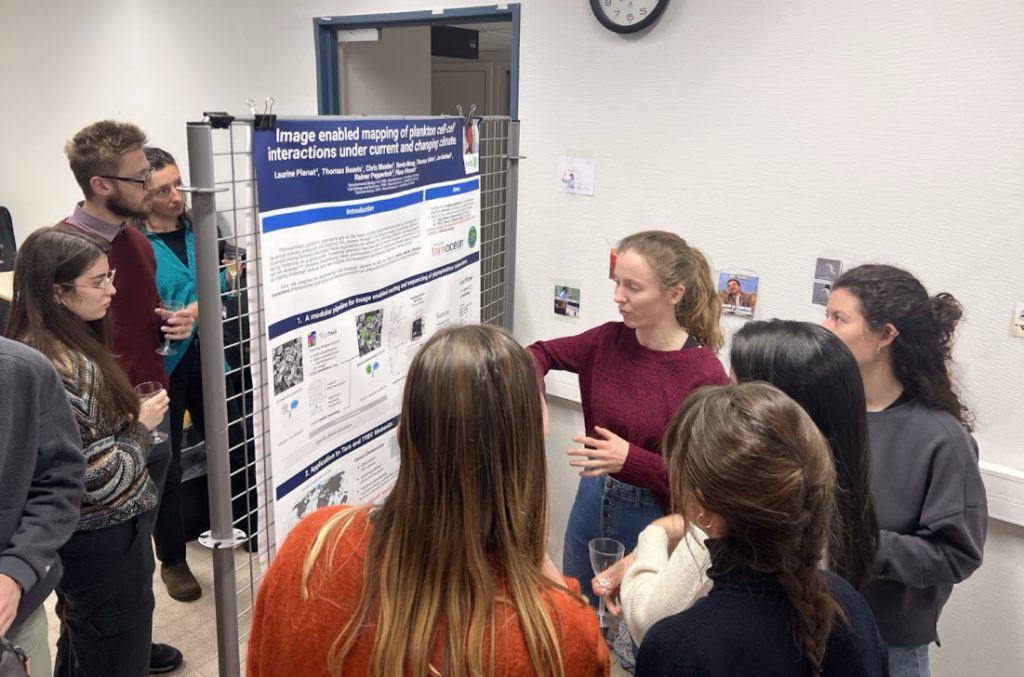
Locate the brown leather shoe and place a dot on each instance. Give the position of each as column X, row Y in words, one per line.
column 181, row 584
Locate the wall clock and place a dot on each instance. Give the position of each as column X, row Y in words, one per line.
column 627, row 16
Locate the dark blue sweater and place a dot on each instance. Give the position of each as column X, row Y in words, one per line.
column 746, row 626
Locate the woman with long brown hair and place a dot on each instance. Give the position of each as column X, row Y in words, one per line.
column 63, row 285
column 748, row 467
column 449, row 575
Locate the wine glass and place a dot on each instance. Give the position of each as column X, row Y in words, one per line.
column 232, row 259
column 145, row 391
column 172, row 307
column 604, row 553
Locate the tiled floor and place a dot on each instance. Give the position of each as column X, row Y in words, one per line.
column 192, row 626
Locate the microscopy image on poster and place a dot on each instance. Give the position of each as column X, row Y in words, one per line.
column 369, row 245
column 287, row 359
column 368, row 327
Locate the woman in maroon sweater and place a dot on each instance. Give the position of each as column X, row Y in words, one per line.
column 633, row 376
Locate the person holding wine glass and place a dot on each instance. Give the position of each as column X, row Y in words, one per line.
column 449, row 574
column 64, row 286
column 110, row 167
column 168, row 227
column 748, row 466
column 668, row 571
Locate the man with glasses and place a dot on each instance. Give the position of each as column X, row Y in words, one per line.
column 109, row 165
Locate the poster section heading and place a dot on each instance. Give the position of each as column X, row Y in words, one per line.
column 332, row 160
column 300, row 320
column 284, row 488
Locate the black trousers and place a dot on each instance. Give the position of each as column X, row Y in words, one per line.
column 105, row 602
column 186, row 393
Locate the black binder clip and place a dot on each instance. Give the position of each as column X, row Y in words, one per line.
column 218, row 119
column 266, row 119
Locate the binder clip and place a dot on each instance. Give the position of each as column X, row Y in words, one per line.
column 266, row 119
column 218, row 119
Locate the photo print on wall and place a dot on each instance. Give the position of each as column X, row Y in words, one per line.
column 738, row 293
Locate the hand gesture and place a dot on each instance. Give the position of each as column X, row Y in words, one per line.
column 605, row 456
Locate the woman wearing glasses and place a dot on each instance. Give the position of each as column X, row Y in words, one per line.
column 63, row 286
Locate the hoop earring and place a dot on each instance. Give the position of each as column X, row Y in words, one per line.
column 703, row 527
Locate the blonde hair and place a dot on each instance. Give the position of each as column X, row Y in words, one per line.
column 675, row 262
column 464, row 528
column 753, row 456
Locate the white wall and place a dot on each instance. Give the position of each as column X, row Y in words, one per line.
column 401, row 58
column 765, row 132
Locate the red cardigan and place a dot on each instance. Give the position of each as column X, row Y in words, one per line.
column 292, row 637
column 630, row 390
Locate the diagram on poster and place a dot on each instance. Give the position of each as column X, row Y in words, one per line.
column 369, row 245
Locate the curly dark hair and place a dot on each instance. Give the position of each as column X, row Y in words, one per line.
column 922, row 351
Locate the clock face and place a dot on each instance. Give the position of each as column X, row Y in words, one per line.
column 627, row 16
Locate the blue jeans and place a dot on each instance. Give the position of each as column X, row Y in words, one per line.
column 909, row 661
column 604, row 507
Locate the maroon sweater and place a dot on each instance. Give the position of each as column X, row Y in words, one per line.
column 136, row 327
column 631, row 390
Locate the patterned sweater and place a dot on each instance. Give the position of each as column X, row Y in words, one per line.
column 117, row 484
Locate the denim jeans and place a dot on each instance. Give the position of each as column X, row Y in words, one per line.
column 909, row 661
column 604, row 507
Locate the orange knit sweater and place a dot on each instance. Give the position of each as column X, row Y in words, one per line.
column 292, row 637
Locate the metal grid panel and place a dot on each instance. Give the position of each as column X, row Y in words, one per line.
column 245, row 331
column 494, row 198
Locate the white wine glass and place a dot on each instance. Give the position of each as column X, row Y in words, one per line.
column 171, row 307
column 231, row 271
column 604, row 553
column 145, row 391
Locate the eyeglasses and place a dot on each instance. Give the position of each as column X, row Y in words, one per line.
column 108, row 279
column 142, row 182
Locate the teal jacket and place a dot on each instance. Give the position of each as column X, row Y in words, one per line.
column 177, row 282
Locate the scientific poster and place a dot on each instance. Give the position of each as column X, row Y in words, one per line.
column 369, row 244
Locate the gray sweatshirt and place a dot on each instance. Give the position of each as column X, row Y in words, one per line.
column 41, row 466
column 932, row 513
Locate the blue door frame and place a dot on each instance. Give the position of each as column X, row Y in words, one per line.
column 325, row 29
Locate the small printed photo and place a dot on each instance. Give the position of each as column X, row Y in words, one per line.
column 822, row 290
column 287, row 360
column 1018, row 320
column 611, row 263
column 368, row 331
column 471, row 138
column 576, row 175
column 417, row 329
column 827, row 270
column 471, row 147
column 567, row 301
column 738, row 293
